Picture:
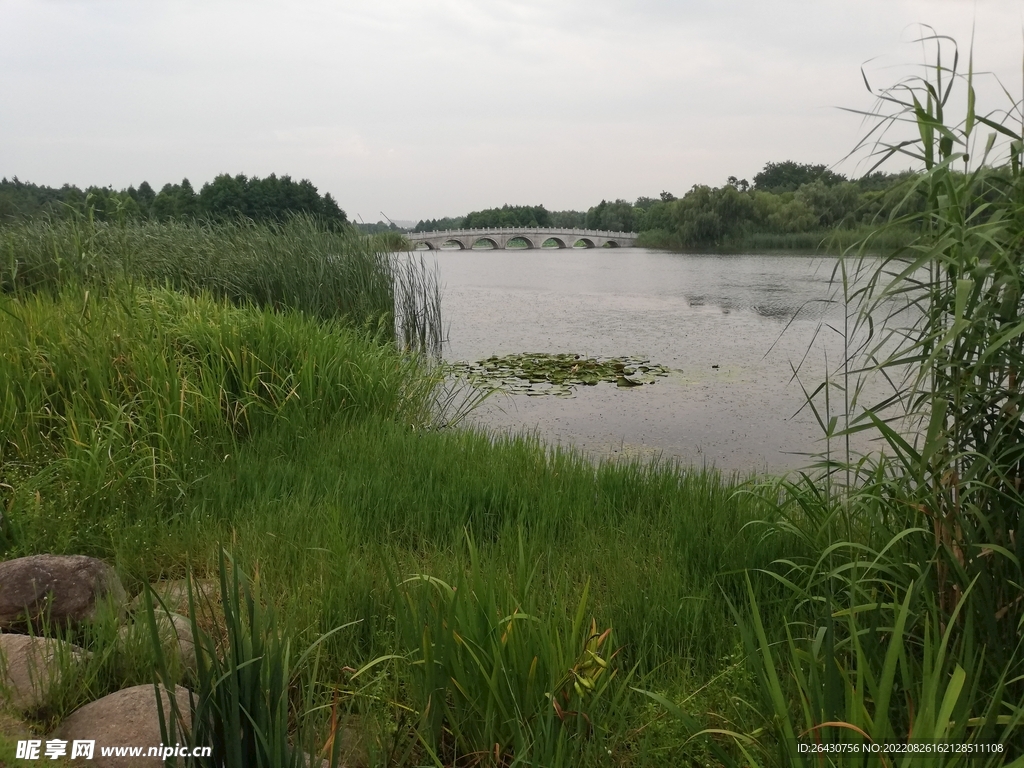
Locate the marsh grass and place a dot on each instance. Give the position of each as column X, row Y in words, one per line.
column 653, row 540
column 952, row 352
column 835, row 241
column 151, row 428
column 490, row 665
column 298, row 264
column 418, row 322
column 255, row 700
column 109, row 402
column 334, row 520
column 907, row 621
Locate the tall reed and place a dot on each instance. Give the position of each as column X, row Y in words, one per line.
column 498, row 676
column 109, row 402
column 257, row 701
column 298, row 264
column 961, row 338
column 907, row 624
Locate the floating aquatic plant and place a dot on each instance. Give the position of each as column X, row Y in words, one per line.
column 537, row 373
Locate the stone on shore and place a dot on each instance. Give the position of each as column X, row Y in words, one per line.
column 59, row 590
column 175, row 633
column 30, row 667
column 128, row 718
column 174, row 595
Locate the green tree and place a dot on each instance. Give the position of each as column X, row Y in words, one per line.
column 509, row 216
column 439, row 225
column 379, row 228
column 144, row 197
column 186, row 205
column 568, row 219
column 331, row 211
column 617, row 216
column 269, row 199
column 105, row 204
column 831, row 204
column 789, row 176
column 175, row 201
column 22, row 200
column 225, row 197
column 658, row 215
column 782, row 214
column 708, row 216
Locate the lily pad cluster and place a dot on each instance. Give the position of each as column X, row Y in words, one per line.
column 537, row 373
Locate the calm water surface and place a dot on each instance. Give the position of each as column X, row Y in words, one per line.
column 731, row 326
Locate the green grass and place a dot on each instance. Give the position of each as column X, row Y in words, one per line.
column 650, row 540
column 502, row 602
column 152, row 428
column 832, row 241
column 909, row 616
column 297, row 265
column 110, row 401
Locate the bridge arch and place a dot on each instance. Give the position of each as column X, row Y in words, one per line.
column 611, row 244
column 558, row 241
column 531, row 237
column 529, row 241
column 424, row 245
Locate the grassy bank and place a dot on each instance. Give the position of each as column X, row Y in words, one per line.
column 833, row 242
column 471, row 575
column 156, row 426
column 160, row 418
column 474, row 600
column 299, row 264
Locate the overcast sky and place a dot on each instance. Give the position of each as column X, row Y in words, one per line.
column 427, row 108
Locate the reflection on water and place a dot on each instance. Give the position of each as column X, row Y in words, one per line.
column 717, row 320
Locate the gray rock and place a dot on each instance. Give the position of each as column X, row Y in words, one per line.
column 352, row 740
column 354, row 750
column 127, row 718
column 174, row 594
column 30, row 666
column 175, row 635
column 65, row 590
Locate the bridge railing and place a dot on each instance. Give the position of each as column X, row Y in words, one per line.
column 524, row 230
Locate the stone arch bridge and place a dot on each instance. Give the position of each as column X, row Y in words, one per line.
column 535, row 237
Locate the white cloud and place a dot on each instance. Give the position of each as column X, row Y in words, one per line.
column 426, row 108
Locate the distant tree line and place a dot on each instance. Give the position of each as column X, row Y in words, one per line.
column 507, row 216
column 267, row 199
column 379, row 228
column 438, row 225
column 785, row 198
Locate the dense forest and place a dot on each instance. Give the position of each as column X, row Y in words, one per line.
column 271, row 198
column 787, row 203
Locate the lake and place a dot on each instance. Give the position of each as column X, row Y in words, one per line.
column 731, row 327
